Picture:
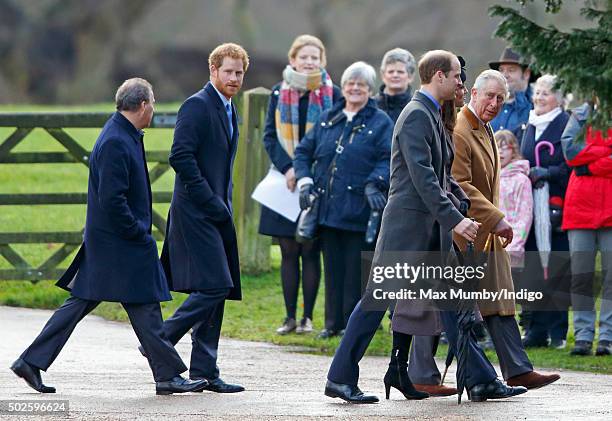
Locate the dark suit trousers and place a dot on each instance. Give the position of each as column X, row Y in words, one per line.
column 423, row 368
column 361, row 328
column 506, row 338
column 342, row 263
column 146, row 320
column 202, row 312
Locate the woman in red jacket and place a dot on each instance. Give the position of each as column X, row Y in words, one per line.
column 588, row 219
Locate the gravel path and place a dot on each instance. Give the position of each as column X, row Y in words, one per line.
column 103, row 377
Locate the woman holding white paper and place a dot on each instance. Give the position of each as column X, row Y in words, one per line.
column 295, row 104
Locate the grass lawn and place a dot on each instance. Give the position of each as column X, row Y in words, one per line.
column 256, row 318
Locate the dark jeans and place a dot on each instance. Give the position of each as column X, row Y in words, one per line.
column 584, row 245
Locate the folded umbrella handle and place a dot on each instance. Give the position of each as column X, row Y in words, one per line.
column 539, row 146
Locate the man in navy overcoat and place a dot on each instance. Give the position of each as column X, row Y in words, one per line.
column 200, row 254
column 118, row 259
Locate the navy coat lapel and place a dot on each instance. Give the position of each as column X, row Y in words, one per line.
column 220, row 109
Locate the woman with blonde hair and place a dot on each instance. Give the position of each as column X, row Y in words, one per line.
column 295, row 105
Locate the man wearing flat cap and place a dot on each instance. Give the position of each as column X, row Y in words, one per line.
column 515, row 111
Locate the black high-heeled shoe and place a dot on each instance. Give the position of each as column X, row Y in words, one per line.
column 397, row 377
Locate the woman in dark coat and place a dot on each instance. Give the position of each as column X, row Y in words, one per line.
column 295, row 105
column 397, row 72
column 344, row 160
column 546, row 123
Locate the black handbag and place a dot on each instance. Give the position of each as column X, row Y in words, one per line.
column 308, row 221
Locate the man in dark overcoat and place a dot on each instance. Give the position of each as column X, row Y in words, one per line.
column 419, row 217
column 118, row 259
column 200, row 254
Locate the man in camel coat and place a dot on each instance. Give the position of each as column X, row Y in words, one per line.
column 477, row 170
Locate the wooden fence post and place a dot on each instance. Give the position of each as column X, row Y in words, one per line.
column 251, row 166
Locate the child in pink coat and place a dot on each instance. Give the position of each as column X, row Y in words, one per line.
column 515, row 198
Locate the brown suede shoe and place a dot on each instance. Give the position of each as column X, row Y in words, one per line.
column 436, row 389
column 533, row 380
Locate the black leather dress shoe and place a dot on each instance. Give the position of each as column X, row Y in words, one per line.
column 180, row 385
column 219, row 386
column 494, row 390
column 31, row 375
column 348, row 393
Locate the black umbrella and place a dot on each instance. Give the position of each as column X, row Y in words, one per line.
column 465, row 321
column 449, row 360
column 466, row 318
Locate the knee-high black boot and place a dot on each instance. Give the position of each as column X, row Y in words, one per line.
column 397, row 373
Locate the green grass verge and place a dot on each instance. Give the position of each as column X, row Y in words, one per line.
column 261, row 312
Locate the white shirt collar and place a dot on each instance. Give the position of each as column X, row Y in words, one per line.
column 475, row 115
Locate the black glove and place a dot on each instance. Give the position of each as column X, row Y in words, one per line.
column 538, row 175
column 306, row 196
column 582, row 170
column 464, row 206
column 216, row 210
column 376, row 199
